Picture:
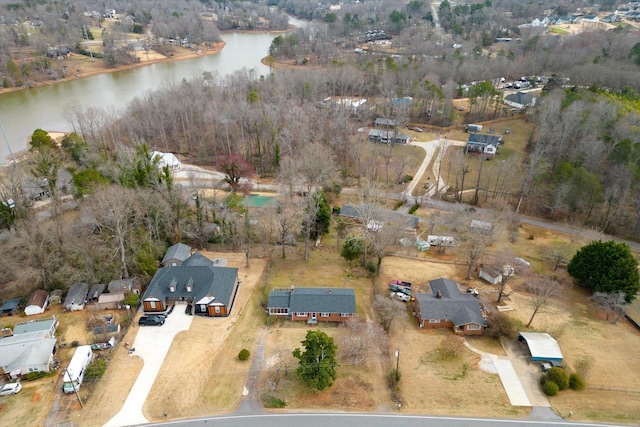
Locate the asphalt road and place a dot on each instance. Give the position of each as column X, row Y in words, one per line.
column 368, row 420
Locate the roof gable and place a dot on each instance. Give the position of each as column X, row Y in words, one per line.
column 179, row 252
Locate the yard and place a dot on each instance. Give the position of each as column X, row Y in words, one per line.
column 205, row 357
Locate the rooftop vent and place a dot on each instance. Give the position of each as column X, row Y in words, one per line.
column 438, row 294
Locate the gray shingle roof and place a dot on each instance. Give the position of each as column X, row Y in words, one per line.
column 197, row 260
column 205, row 280
column 460, row 308
column 357, row 212
column 77, row 294
column 179, row 251
column 316, row 300
column 482, row 139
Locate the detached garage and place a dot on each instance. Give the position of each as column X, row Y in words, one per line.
column 542, row 346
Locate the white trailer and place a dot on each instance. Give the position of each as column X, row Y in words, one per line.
column 74, row 373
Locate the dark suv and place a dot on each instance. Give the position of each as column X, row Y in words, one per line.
column 151, row 320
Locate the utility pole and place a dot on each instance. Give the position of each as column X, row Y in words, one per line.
column 66, row 371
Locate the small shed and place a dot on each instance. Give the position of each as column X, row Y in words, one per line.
column 422, row 245
column 110, row 301
column 166, row 160
column 76, row 297
column 542, row 346
column 474, row 128
column 55, row 297
column 491, row 275
column 481, row 226
column 10, row 307
column 95, row 292
column 105, row 332
column 122, row 286
column 37, row 303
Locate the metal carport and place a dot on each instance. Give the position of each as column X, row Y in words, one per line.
column 542, row 346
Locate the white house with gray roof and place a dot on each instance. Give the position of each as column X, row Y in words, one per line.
column 29, row 349
column 447, row 307
column 313, row 305
column 76, row 297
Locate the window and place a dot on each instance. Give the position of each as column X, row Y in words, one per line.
column 217, row 309
column 345, row 314
column 152, row 304
column 434, row 321
column 203, row 308
column 473, row 327
column 301, row 314
column 324, row 314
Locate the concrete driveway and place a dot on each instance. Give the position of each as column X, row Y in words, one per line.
column 152, row 345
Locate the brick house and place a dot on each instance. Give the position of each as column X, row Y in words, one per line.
column 313, row 305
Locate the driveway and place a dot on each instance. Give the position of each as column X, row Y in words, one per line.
column 152, row 345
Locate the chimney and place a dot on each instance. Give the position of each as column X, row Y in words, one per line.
column 438, row 294
column 292, row 288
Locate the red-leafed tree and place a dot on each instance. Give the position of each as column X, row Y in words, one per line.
column 238, row 171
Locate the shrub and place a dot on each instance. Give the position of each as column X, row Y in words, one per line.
column 244, row 354
column 413, row 208
column 398, row 205
column 550, row 388
column 501, row 326
column 576, row 382
column 336, row 210
column 269, row 401
column 558, row 376
column 96, row 369
column 35, row 375
column 75, row 343
column 582, row 366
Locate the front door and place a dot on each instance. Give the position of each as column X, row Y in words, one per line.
column 313, row 316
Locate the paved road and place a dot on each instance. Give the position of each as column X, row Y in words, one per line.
column 371, row 420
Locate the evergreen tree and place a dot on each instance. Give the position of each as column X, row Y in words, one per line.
column 606, row 267
column 318, row 361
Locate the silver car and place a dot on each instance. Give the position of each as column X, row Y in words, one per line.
column 11, row 388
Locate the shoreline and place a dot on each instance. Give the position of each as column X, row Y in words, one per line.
column 217, row 48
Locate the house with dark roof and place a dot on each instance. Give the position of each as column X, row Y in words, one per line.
column 382, row 122
column 313, row 305
column 387, row 136
column 10, row 307
column 447, row 307
column 176, row 254
column 211, row 290
column 76, row 297
column 379, row 216
column 482, row 143
column 37, row 303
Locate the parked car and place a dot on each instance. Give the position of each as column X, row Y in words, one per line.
column 545, row 366
column 151, row 320
column 11, row 388
column 400, row 296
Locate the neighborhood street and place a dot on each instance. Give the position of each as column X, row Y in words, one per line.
column 537, row 419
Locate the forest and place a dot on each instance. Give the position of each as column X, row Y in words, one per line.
column 581, row 163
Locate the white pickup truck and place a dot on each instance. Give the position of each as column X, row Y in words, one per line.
column 400, row 296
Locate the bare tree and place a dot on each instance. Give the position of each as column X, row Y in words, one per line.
column 113, row 213
column 614, row 304
column 542, row 289
column 286, row 216
column 387, row 309
column 363, row 340
column 558, row 254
